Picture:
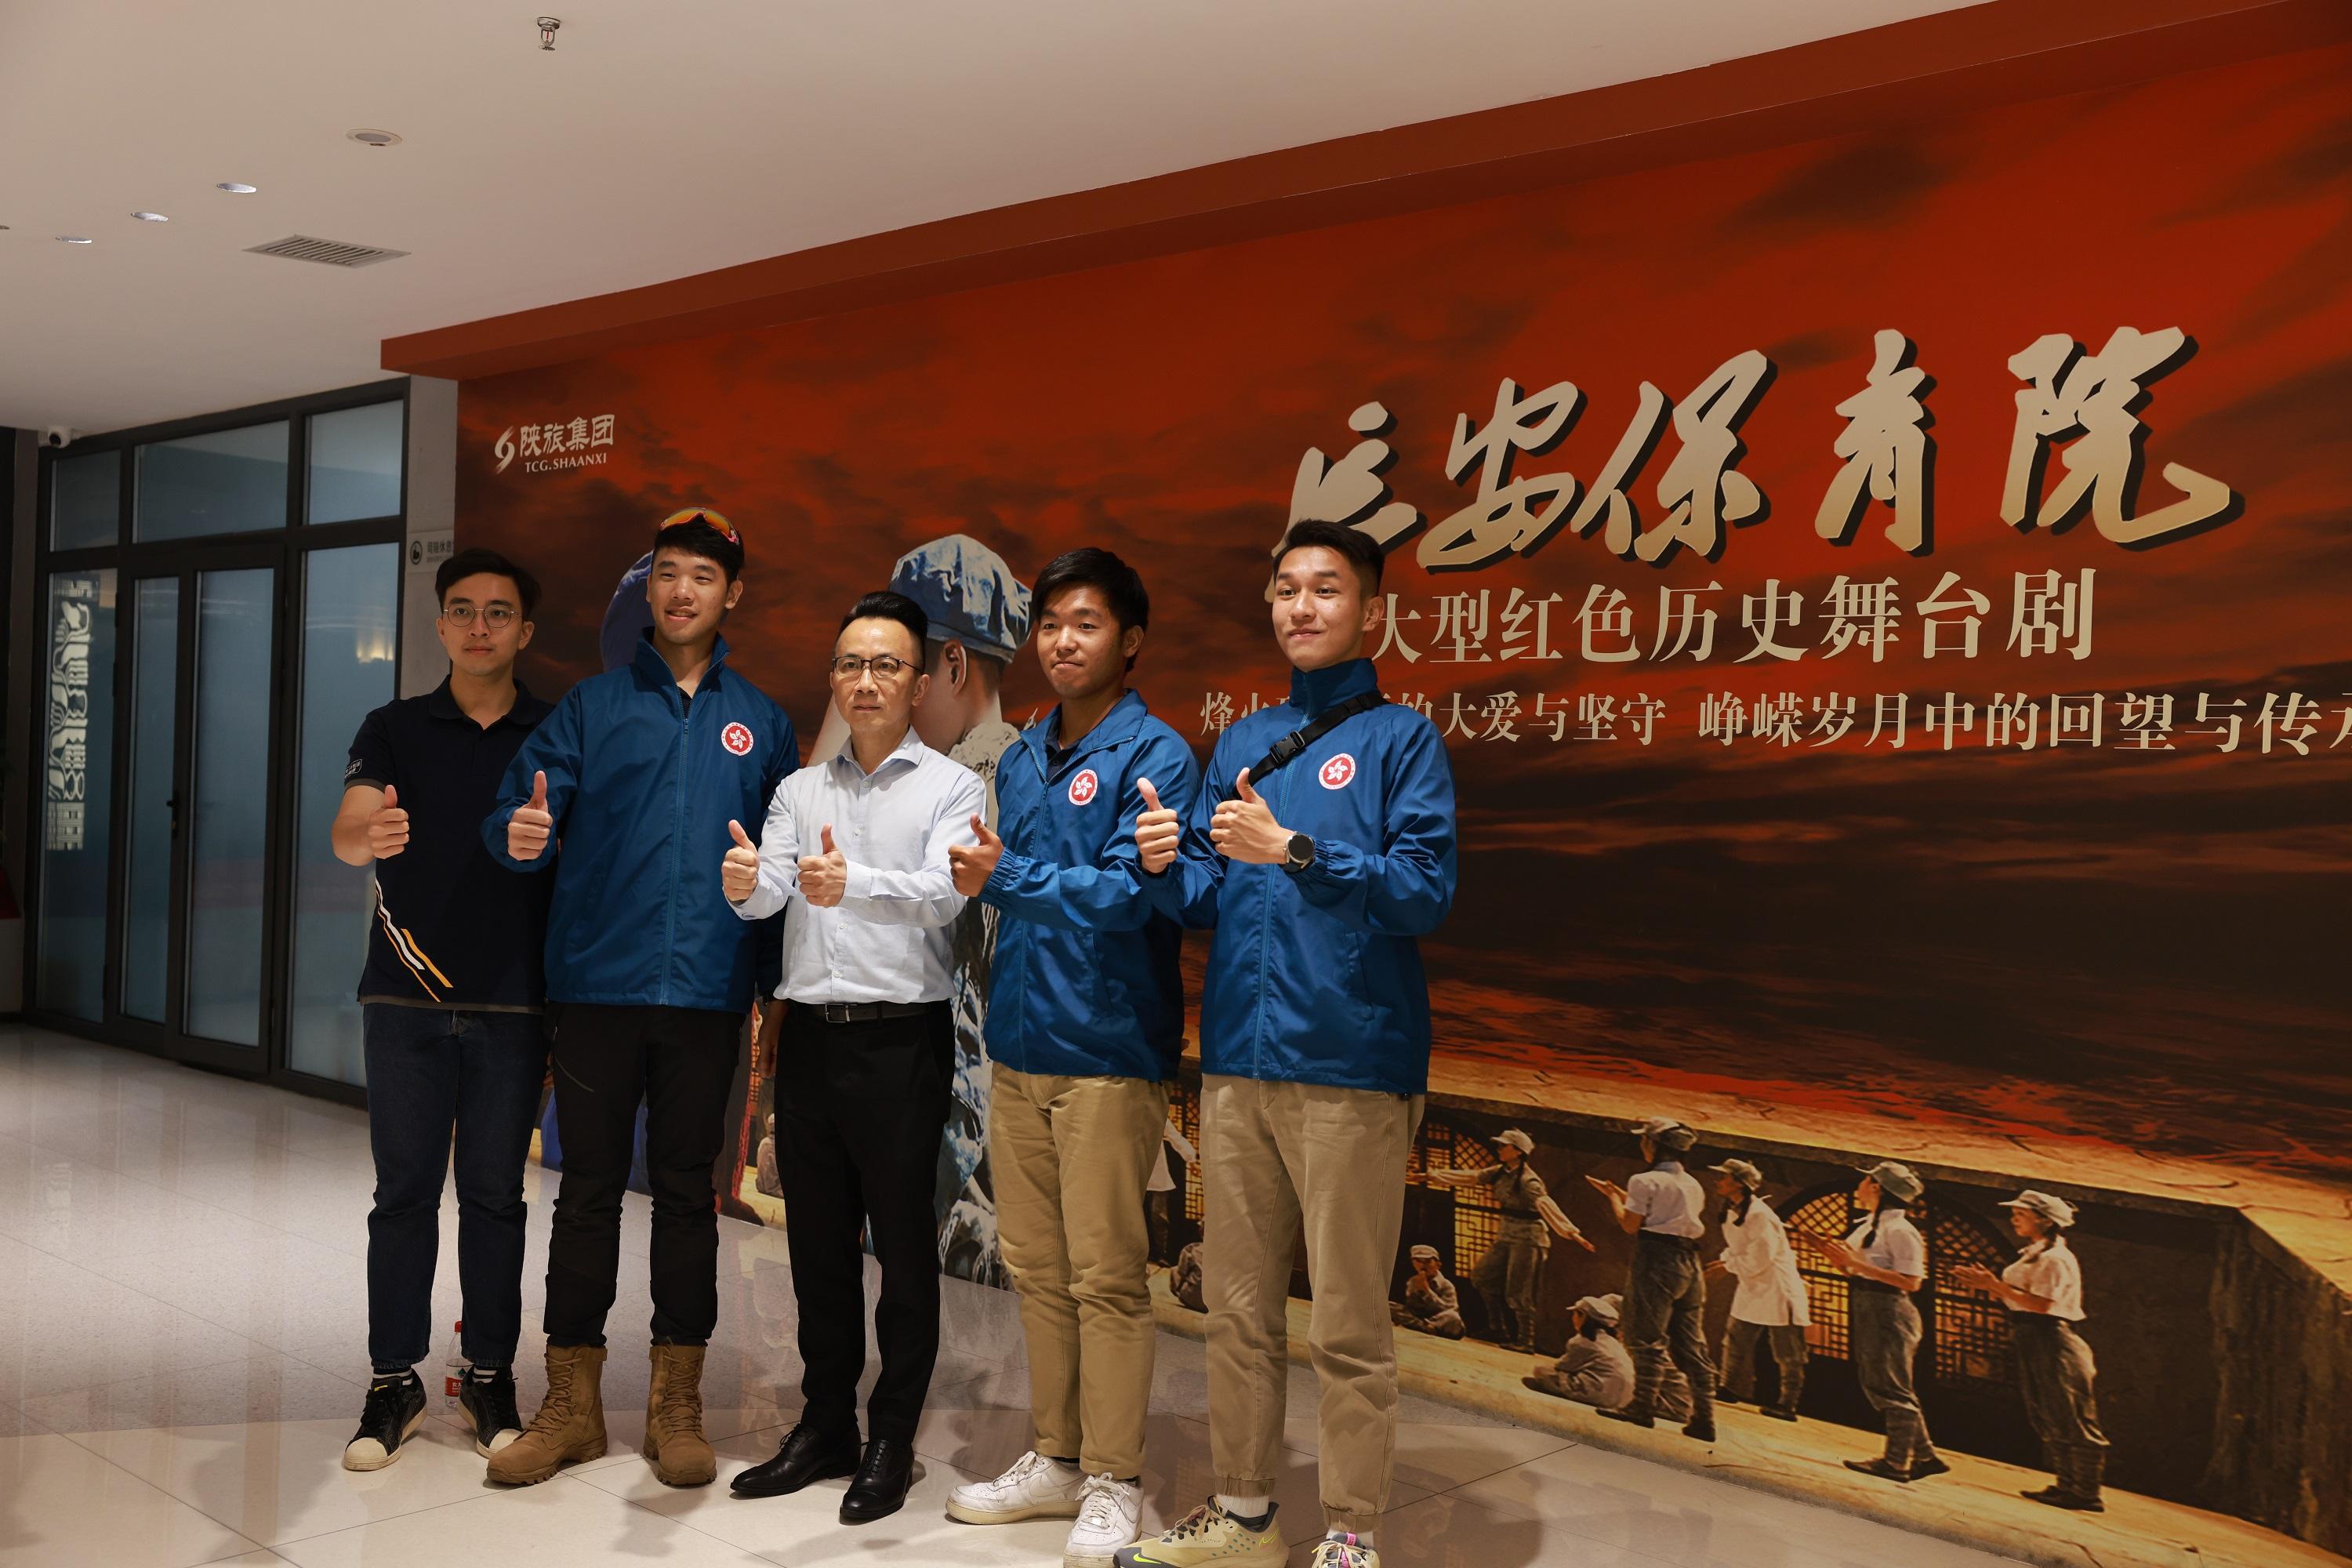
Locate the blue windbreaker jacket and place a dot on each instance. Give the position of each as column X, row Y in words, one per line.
column 1085, row 981
column 1314, row 976
column 642, row 784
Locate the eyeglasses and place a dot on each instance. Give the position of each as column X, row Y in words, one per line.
column 500, row 616
column 885, row 667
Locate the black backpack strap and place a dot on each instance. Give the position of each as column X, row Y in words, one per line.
column 1289, row 746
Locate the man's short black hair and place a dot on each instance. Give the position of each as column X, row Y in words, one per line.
column 1353, row 544
column 697, row 535
column 476, row 562
column 1121, row 585
column 885, row 606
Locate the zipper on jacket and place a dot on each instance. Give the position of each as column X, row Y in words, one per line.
column 1265, row 937
column 676, row 834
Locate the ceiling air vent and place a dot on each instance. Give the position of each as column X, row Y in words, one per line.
column 331, row 252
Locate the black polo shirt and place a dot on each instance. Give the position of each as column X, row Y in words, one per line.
column 452, row 928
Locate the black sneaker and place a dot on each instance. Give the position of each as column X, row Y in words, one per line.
column 395, row 1409
column 486, row 1396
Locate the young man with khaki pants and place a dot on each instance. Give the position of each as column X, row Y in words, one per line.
column 1086, row 1019
column 1329, row 852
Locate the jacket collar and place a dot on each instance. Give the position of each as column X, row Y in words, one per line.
column 1125, row 718
column 648, row 662
column 1313, row 690
column 527, row 709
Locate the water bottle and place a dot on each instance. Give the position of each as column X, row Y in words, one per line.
column 454, row 1365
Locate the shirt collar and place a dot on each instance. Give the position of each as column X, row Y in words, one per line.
column 1313, row 690
column 1672, row 1167
column 910, row 749
column 442, row 703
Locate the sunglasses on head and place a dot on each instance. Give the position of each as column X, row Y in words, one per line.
column 704, row 514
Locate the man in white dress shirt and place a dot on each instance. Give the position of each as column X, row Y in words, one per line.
column 1769, row 1301
column 865, row 1055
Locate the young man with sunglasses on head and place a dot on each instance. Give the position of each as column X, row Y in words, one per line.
column 1085, row 1024
column 450, row 1007
column 1321, row 847
column 855, row 851
column 626, row 793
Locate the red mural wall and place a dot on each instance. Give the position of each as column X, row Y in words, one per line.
column 1889, row 623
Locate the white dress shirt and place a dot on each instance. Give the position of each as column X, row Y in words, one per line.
column 1899, row 1250
column 2051, row 1271
column 1668, row 1198
column 887, row 939
column 1755, row 1250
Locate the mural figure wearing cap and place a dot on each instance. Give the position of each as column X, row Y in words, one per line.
column 1769, row 1301
column 979, row 620
column 1888, row 1258
column 1510, row 1278
column 1665, row 1301
column 1431, row 1304
column 1596, row 1369
column 2043, row 1292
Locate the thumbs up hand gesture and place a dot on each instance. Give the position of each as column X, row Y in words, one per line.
column 825, row 878
column 529, row 829
column 387, row 827
column 1244, row 830
column 739, row 873
column 1156, row 831
column 973, row 864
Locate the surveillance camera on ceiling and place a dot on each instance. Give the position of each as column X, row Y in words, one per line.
column 56, row 435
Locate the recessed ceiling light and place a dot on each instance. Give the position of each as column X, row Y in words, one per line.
column 233, row 188
column 75, row 239
column 374, row 138
column 150, row 217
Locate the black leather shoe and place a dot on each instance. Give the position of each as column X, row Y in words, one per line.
column 807, row 1454
column 880, row 1488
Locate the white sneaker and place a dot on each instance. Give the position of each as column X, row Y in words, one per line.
column 1034, row 1487
column 1110, row 1515
column 1341, row 1551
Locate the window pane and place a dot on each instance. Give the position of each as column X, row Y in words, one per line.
column 355, row 457
column 75, row 794
column 349, row 609
column 227, row 864
column 85, row 500
column 230, row 481
column 147, row 878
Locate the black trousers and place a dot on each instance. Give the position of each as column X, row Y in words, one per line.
column 679, row 1063
column 859, row 1111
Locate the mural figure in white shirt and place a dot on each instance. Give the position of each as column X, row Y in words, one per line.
column 1886, row 1259
column 1767, row 1304
column 1665, row 1299
column 2043, row 1292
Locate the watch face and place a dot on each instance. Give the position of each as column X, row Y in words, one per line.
column 1302, row 850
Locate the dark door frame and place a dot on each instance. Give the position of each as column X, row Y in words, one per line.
column 286, row 550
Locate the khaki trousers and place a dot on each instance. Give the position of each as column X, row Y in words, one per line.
column 1070, row 1156
column 1274, row 1156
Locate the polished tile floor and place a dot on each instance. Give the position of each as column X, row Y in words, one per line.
column 181, row 1355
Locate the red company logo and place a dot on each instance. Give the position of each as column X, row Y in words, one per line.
column 736, row 738
column 1083, row 787
column 1338, row 773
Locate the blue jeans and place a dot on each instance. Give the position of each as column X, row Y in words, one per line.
column 428, row 1068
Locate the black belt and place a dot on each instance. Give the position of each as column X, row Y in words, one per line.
column 1880, row 1286
column 866, row 1012
column 1660, row 1238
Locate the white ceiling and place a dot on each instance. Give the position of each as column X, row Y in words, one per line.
column 660, row 138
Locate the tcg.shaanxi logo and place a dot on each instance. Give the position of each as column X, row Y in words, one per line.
column 559, row 444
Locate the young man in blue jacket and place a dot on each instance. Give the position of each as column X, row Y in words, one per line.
column 625, row 793
column 1086, row 1021
column 1321, row 847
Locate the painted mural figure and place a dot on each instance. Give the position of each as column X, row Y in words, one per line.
column 2089, row 401
column 1596, row 1368
column 1887, row 446
column 1164, row 1193
column 1887, row 1260
column 1665, row 1302
column 1432, row 1305
column 1769, row 1304
column 2043, row 1292
column 1510, row 1278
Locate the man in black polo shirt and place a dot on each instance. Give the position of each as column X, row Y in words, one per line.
column 452, row 994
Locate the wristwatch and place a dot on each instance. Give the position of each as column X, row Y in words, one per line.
column 1302, row 853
